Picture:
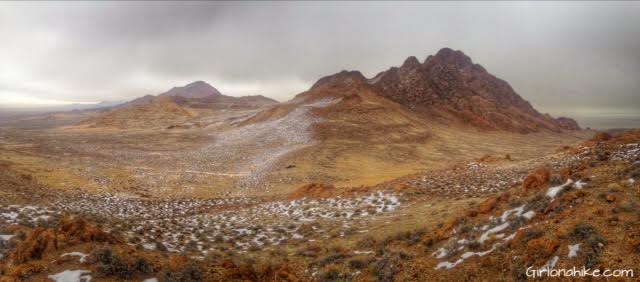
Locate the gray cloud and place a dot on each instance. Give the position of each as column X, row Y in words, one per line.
column 563, row 57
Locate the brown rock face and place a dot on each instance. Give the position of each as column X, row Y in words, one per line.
column 567, row 123
column 449, row 85
column 536, row 179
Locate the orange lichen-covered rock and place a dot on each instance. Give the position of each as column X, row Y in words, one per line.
column 541, row 249
column 536, row 179
column 487, row 206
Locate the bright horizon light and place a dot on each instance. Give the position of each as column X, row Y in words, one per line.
column 16, row 100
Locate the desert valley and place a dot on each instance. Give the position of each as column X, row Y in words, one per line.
column 430, row 171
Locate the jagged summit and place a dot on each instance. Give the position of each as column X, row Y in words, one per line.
column 197, row 89
column 449, row 56
column 449, row 86
column 411, row 62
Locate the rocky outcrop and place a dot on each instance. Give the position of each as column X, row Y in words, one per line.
column 567, row 123
column 450, row 86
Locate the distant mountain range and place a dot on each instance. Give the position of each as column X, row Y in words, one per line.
column 178, row 105
column 446, row 88
column 61, row 108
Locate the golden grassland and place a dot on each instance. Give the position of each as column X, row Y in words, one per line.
column 397, row 247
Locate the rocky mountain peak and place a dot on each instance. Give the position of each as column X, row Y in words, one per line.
column 197, row 89
column 199, row 84
column 448, row 85
column 341, row 79
column 448, row 56
column 411, row 62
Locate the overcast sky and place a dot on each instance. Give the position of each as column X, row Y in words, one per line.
column 563, row 57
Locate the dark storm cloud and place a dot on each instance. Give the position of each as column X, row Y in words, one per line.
column 563, row 57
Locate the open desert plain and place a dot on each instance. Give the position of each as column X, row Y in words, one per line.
column 434, row 169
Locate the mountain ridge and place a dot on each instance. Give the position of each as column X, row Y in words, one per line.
column 450, row 86
column 179, row 105
column 447, row 88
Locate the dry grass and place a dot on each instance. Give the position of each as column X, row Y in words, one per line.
column 398, row 245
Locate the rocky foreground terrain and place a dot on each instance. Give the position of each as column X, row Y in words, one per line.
column 495, row 218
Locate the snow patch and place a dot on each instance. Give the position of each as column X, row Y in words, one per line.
column 550, row 264
column 553, row 191
column 510, row 237
column 579, row 184
column 529, row 214
column 82, row 256
column 363, row 252
column 463, row 257
column 486, row 234
column 71, row 276
column 515, row 211
column 573, row 250
column 149, row 246
column 440, row 253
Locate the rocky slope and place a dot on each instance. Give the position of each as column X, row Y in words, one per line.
column 451, row 88
column 348, row 108
column 404, row 115
column 580, row 208
column 446, row 89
